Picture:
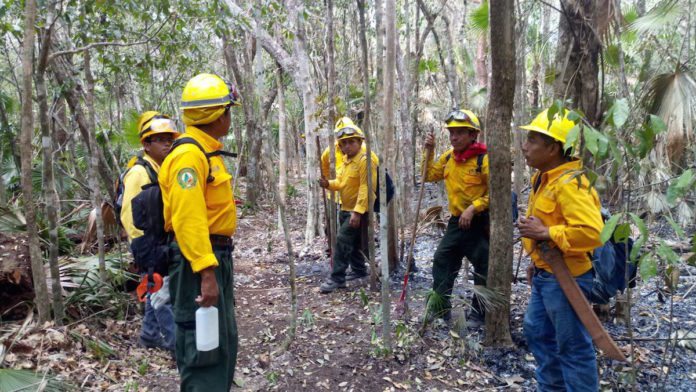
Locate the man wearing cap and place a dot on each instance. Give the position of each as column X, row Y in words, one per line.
column 200, row 214
column 564, row 211
column 157, row 133
column 351, row 182
column 464, row 168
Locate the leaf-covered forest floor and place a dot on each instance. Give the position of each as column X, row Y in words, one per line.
column 337, row 346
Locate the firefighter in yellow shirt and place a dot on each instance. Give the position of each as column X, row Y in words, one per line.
column 157, row 133
column 565, row 211
column 200, row 213
column 351, row 182
column 464, row 168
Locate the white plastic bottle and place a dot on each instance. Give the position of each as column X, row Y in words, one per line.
column 207, row 336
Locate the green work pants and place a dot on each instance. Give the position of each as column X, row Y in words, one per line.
column 348, row 252
column 456, row 244
column 203, row 371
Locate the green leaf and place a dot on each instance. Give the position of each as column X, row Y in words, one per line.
column 618, row 114
column 479, row 19
column 648, row 266
column 668, row 254
column 572, row 136
column 622, row 232
column 680, row 187
column 591, row 140
column 675, row 226
column 609, row 228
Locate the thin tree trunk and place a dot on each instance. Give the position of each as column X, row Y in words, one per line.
column 62, row 69
column 282, row 144
column 37, row 267
column 481, row 65
column 498, row 116
column 368, row 131
column 520, row 106
column 388, row 136
column 331, row 94
column 93, row 163
column 451, row 66
column 51, row 200
column 378, row 70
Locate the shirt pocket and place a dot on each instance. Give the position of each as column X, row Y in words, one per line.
column 472, row 185
column 544, row 206
column 219, row 191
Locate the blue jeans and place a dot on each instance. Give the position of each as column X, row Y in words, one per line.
column 158, row 327
column 561, row 345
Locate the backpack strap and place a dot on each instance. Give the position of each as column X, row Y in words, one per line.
column 189, row 140
column 479, row 163
column 151, row 173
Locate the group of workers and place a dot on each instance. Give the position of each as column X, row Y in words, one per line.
column 563, row 212
column 200, row 217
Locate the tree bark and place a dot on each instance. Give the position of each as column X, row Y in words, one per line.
column 368, row 130
column 577, row 57
column 388, row 135
column 62, row 70
column 93, row 163
column 498, row 116
column 38, row 273
column 520, row 105
column 51, row 200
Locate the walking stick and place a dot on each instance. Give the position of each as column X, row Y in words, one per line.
column 402, row 306
column 327, row 220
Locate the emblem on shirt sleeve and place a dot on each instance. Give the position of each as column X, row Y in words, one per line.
column 186, row 178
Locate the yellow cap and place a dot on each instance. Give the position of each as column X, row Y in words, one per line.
column 345, row 128
column 558, row 129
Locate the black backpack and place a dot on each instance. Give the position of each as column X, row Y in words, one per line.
column 390, row 190
column 151, row 250
column 118, row 198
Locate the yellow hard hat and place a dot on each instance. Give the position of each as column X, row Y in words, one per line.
column 462, row 118
column 345, row 128
column 558, row 128
column 208, row 90
column 152, row 122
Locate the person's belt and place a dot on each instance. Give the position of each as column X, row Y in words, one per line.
column 215, row 240
column 221, row 240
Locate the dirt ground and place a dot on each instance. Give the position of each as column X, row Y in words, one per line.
column 338, row 345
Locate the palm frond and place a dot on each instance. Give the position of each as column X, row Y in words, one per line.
column 26, row 380
column 662, row 15
column 12, row 220
column 672, row 96
column 478, row 20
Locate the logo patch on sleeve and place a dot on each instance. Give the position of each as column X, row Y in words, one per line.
column 187, row 178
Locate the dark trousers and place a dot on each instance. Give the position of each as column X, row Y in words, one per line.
column 203, row 371
column 456, row 244
column 348, row 251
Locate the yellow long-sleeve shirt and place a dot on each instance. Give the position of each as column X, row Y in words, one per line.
column 352, row 183
column 133, row 183
column 464, row 184
column 571, row 211
column 193, row 208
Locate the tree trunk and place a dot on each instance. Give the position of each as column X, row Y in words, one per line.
column 498, row 116
column 331, row 94
column 37, row 267
column 51, row 200
column 577, row 57
column 520, row 106
column 481, row 66
column 388, row 136
column 62, row 70
column 282, row 144
column 368, row 131
column 93, row 163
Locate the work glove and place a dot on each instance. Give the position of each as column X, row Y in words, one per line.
column 161, row 296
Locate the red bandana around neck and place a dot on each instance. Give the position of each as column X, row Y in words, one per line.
column 474, row 149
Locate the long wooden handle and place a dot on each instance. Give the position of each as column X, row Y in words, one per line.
column 578, row 301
